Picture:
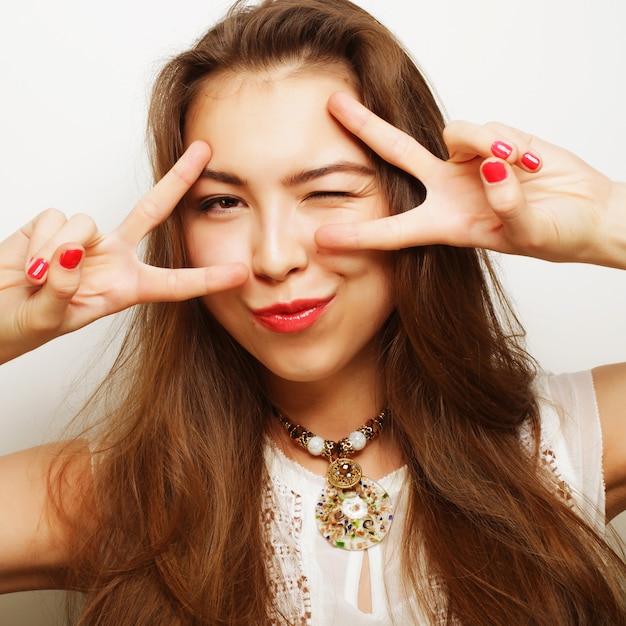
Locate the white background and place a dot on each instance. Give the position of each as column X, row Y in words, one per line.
column 74, row 83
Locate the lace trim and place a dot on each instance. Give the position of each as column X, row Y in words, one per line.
column 282, row 525
column 547, row 458
column 548, row 461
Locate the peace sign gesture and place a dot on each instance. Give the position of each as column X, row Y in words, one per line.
column 495, row 192
column 75, row 274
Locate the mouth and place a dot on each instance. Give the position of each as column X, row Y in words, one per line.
column 291, row 317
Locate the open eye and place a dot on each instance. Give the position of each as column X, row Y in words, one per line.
column 220, row 204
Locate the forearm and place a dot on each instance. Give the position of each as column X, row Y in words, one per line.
column 612, row 245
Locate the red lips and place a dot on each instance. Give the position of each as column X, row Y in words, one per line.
column 291, row 317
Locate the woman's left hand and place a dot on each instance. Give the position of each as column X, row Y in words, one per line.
column 500, row 190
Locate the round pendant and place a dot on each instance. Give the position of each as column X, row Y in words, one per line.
column 355, row 518
column 343, row 473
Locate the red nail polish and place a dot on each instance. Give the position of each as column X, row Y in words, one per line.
column 70, row 259
column 530, row 160
column 37, row 269
column 494, row 171
column 501, row 149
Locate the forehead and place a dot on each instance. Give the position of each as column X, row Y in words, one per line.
column 232, row 86
column 272, row 116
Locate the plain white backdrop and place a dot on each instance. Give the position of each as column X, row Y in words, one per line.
column 75, row 79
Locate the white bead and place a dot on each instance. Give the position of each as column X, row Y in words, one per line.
column 315, row 445
column 357, row 439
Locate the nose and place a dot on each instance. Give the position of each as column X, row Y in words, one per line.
column 281, row 245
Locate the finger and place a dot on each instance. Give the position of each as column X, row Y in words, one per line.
column 79, row 228
column 51, row 301
column 39, row 230
column 162, row 199
column 465, row 141
column 390, row 143
column 412, row 228
column 506, row 198
column 172, row 285
column 525, row 155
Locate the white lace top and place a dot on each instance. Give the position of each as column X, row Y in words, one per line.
column 317, row 584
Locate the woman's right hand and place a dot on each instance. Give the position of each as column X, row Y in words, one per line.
column 59, row 274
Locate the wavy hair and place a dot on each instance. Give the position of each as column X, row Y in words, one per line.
column 179, row 474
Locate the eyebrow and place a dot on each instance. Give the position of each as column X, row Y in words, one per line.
column 222, row 177
column 298, row 178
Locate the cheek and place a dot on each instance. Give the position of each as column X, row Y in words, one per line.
column 370, row 267
column 219, row 305
column 208, row 246
column 385, row 296
column 381, row 285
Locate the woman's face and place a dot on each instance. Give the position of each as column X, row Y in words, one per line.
column 281, row 166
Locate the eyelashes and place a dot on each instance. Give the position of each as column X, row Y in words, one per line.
column 220, row 204
column 228, row 204
column 329, row 194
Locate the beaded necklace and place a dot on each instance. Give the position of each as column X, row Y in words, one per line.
column 353, row 512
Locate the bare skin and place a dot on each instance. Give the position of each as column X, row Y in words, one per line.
column 561, row 211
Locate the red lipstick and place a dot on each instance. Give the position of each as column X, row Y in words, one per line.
column 291, row 317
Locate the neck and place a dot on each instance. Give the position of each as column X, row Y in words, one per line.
column 332, row 407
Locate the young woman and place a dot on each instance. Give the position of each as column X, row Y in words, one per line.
column 334, row 422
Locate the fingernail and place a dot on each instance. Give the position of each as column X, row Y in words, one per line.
column 530, row 160
column 37, row 269
column 494, row 171
column 70, row 258
column 501, row 149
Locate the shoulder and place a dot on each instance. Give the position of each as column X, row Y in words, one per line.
column 45, row 493
column 584, row 415
column 610, row 387
column 571, row 439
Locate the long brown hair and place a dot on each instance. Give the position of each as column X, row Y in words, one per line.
column 178, row 466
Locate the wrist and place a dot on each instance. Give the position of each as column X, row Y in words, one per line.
column 613, row 243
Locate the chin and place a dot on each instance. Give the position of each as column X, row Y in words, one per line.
column 309, row 369
column 300, row 375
